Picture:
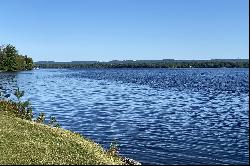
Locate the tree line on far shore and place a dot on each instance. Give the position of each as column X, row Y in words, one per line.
column 11, row 60
column 151, row 64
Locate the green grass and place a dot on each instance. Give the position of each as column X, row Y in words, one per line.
column 27, row 142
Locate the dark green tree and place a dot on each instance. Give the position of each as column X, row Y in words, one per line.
column 10, row 60
column 28, row 62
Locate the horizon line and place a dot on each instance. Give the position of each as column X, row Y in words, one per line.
column 145, row 60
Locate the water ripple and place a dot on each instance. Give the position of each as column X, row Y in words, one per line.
column 158, row 116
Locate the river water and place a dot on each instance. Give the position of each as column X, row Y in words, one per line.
column 157, row 116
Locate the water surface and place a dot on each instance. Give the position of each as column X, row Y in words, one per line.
column 158, row 116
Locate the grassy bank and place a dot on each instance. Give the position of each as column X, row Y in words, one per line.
column 28, row 142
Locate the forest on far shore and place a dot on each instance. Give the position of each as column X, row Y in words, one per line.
column 214, row 63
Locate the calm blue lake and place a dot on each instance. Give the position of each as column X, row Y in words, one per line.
column 158, row 116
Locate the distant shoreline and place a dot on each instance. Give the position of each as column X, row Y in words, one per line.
column 165, row 63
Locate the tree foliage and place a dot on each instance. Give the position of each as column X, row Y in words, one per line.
column 10, row 60
column 244, row 63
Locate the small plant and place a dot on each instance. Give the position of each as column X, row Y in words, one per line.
column 40, row 118
column 19, row 94
column 113, row 148
column 23, row 109
column 53, row 122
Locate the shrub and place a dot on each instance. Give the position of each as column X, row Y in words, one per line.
column 113, row 148
column 53, row 122
column 23, row 109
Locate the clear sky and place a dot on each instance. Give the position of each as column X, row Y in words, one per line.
column 104, row 30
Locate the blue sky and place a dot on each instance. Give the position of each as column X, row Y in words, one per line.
column 103, row 30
